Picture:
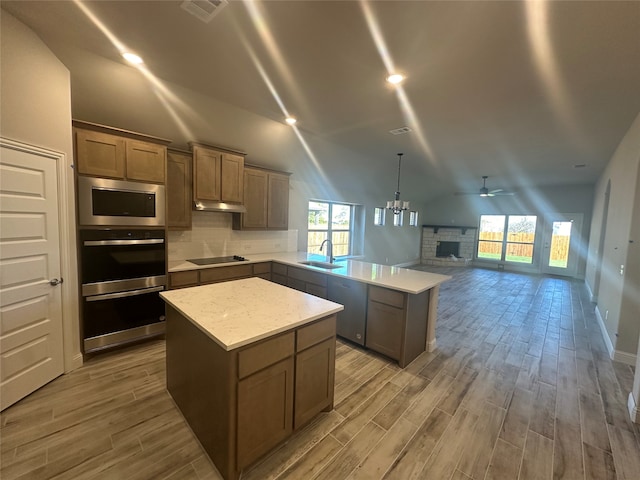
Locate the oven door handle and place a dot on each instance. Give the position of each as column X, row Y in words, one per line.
column 128, row 293
column 100, row 243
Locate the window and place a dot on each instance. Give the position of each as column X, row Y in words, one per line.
column 334, row 221
column 378, row 216
column 413, row 218
column 515, row 246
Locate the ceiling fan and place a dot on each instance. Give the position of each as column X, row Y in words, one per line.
column 485, row 192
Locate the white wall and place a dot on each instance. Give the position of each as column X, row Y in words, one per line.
column 36, row 109
column 618, row 294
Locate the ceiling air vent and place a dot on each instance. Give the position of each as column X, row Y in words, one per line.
column 205, row 10
column 400, row 131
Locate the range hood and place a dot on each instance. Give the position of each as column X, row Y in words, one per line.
column 210, row 206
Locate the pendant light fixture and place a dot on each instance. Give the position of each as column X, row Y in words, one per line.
column 397, row 206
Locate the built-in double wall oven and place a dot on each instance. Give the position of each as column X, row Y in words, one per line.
column 122, row 260
column 123, row 270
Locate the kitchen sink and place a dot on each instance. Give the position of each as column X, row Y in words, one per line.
column 313, row 263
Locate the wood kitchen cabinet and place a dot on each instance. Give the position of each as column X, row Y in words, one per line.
column 353, row 295
column 265, row 396
column 108, row 152
column 300, row 279
column 218, row 175
column 179, row 184
column 396, row 323
column 266, row 198
column 315, row 370
column 192, row 278
column 241, row 403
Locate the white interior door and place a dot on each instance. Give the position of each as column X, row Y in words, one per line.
column 31, row 349
column 561, row 240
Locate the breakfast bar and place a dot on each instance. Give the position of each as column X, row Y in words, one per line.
column 248, row 362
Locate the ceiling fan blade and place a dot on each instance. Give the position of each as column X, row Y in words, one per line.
column 504, row 193
column 466, row 193
column 496, row 190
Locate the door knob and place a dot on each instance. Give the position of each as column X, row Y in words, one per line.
column 55, row 282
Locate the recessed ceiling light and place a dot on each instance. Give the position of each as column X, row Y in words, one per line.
column 395, row 78
column 580, row 165
column 132, row 58
column 290, row 120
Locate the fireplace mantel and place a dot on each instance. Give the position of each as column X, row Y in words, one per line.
column 459, row 227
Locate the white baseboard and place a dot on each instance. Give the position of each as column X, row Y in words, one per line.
column 592, row 297
column 634, row 412
column 431, row 346
column 615, row 355
column 624, row 357
column 605, row 334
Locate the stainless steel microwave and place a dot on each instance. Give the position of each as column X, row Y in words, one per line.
column 108, row 202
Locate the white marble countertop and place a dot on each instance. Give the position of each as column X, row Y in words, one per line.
column 395, row 278
column 240, row 312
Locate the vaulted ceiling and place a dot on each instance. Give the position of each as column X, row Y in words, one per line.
column 528, row 93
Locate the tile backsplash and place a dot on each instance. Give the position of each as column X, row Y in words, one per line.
column 211, row 235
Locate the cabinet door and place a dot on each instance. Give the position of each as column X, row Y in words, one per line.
column 178, row 190
column 206, row 174
column 100, row 154
column 145, row 161
column 315, row 373
column 255, row 199
column 232, row 178
column 278, row 202
column 353, row 295
column 265, row 411
column 385, row 329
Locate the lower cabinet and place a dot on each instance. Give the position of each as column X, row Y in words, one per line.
column 265, row 411
column 242, row 403
column 192, row 278
column 385, row 329
column 397, row 323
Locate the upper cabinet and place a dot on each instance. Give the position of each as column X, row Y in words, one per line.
column 266, row 198
column 179, row 189
column 217, row 175
column 107, row 152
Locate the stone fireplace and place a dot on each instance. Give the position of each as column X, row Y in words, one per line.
column 445, row 245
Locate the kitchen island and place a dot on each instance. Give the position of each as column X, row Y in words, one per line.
column 248, row 362
column 388, row 309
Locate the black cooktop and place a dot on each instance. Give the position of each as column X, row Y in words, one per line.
column 214, row 260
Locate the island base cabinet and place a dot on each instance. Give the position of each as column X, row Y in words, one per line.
column 315, row 374
column 265, row 411
column 241, row 403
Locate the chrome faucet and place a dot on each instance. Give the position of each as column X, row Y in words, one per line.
column 329, row 250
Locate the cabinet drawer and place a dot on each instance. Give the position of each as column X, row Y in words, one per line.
column 219, row 274
column 386, row 296
column 316, row 332
column 261, row 268
column 316, row 290
column 183, row 279
column 279, row 268
column 308, row 276
column 264, row 354
column 281, row 279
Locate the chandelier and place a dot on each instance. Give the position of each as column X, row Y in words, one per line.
column 397, row 206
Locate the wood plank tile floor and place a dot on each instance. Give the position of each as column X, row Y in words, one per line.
column 521, row 387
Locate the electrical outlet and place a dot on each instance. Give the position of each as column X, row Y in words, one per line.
column 622, row 270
